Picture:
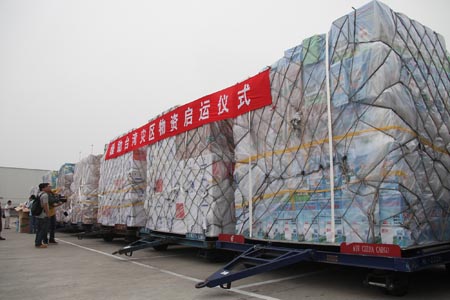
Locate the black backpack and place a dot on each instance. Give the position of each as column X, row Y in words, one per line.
column 36, row 208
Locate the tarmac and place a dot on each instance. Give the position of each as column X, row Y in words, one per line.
column 86, row 269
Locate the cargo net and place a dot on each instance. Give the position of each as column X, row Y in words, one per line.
column 63, row 184
column 389, row 85
column 84, row 200
column 190, row 183
column 122, row 189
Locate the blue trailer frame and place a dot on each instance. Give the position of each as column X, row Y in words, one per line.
column 108, row 233
column 257, row 257
column 159, row 241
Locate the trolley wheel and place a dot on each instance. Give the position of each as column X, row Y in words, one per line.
column 200, row 285
column 397, row 284
column 108, row 238
column 161, row 247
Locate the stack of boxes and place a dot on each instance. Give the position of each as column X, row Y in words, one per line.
column 51, row 177
column 121, row 190
column 190, row 184
column 23, row 218
column 389, row 90
column 63, row 186
column 84, row 202
column 389, row 83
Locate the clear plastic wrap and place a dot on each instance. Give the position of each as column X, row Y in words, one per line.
column 389, row 89
column 84, row 201
column 51, row 177
column 63, row 184
column 190, row 187
column 122, row 189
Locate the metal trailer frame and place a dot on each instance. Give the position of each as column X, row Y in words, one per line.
column 161, row 240
column 108, row 233
column 391, row 264
column 75, row 227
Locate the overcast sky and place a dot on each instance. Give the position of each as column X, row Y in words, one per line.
column 76, row 74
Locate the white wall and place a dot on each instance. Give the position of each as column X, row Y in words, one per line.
column 16, row 183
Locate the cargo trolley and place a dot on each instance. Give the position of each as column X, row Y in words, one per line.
column 109, row 233
column 389, row 264
column 160, row 241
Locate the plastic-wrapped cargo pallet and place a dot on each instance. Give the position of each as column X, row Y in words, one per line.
column 190, row 183
column 122, row 189
column 84, row 201
column 389, row 89
column 51, row 177
column 65, row 179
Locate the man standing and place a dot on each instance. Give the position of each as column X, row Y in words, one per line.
column 32, row 218
column 52, row 218
column 7, row 213
column 45, row 190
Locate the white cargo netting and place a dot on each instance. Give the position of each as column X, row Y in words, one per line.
column 84, row 200
column 190, row 182
column 63, row 184
column 122, row 189
column 389, row 85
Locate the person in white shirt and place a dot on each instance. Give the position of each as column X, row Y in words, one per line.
column 7, row 212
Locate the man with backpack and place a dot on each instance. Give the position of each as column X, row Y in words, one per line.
column 42, row 219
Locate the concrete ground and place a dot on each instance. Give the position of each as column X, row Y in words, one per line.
column 85, row 269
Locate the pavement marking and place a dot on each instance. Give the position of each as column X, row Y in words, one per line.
column 278, row 280
column 235, row 290
column 90, row 249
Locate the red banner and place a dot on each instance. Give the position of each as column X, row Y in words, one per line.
column 231, row 102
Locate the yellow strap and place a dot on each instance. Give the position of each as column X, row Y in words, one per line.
column 121, row 206
column 140, row 186
column 338, row 138
column 291, row 192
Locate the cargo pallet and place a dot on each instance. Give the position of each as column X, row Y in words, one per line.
column 109, row 233
column 390, row 264
column 160, row 241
